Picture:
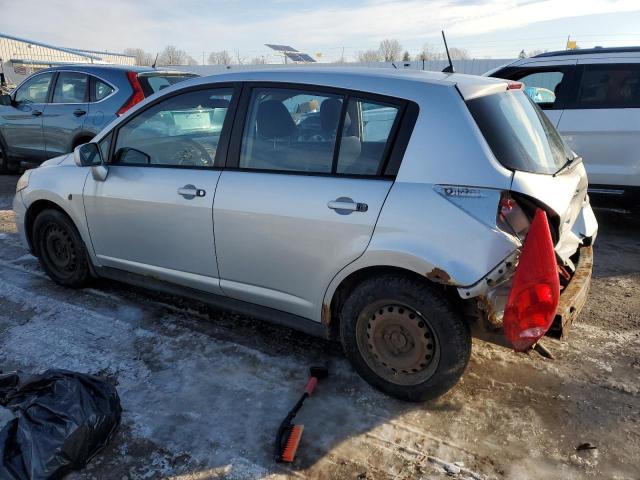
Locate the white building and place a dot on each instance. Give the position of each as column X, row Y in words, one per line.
column 20, row 57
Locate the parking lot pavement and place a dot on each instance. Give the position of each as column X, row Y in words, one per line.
column 203, row 390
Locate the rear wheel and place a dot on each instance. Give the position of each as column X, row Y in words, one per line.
column 4, row 162
column 60, row 249
column 404, row 338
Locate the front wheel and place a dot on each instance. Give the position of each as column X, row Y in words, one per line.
column 60, row 249
column 404, row 338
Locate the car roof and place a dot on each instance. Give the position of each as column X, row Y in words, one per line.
column 589, row 51
column 388, row 81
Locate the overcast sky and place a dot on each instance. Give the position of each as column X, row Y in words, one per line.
column 496, row 28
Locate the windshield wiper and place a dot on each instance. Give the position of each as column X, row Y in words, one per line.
column 570, row 161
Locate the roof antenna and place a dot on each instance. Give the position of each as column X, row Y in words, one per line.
column 394, row 65
column 448, row 68
column 156, row 60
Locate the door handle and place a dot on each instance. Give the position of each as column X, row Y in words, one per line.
column 79, row 113
column 345, row 205
column 190, row 191
column 36, row 113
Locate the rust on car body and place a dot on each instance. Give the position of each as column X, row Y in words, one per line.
column 325, row 317
column 438, row 275
column 574, row 296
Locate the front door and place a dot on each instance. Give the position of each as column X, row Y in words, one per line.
column 64, row 118
column 21, row 124
column 153, row 213
column 304, row 195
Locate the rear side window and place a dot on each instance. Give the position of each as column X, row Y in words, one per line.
column 609, row 86
column 291, row 130
column 71, row 87
column 365, row 138
column 155, row 82
column 519, row 133
column 305, row 131
column 100, row 90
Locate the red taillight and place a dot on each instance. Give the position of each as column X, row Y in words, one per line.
column 535, row 291
column 136, row 97
column 515, row 86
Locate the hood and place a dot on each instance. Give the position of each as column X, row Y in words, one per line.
column 57, row 160
column 566, row 195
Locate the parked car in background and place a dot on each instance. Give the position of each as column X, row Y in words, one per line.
column 592, row 96
column 390, row 214
column 56, row 109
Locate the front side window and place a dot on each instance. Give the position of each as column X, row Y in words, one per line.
column 34, row 90
column 366, row 133
column 544, row 87
column 609, row 86
column 183, row 130
column 71, row 87
column 291, row 130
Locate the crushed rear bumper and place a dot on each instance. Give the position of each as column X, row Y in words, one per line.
column 574, row 295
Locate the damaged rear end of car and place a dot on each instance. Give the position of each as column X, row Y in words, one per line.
column 541, row 286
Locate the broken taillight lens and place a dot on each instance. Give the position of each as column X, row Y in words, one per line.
column 535, row 291
column 511, row 217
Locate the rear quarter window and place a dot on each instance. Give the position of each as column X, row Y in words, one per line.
column 155, row 82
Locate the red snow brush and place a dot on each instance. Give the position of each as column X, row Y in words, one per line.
column 288, row 437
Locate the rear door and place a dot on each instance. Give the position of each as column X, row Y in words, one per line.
column 21, row 124
column 64, row 118
column 153, row 213
column 603, row 124
column 301, row 193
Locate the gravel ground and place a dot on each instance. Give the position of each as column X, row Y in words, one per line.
column 203, row 390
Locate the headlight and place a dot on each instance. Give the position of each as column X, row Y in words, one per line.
column 23, row 181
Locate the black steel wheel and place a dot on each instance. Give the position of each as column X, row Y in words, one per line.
column 403, row 337
column 60, row 249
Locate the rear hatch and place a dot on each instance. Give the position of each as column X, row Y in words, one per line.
column 153, row 82
column 544, row 168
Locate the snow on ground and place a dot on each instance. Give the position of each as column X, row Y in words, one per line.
column 203, row 391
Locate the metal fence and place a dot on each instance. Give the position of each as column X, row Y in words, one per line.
column 472, row 67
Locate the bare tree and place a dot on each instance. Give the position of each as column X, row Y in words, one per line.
column 533, row 53
column 258, row 61
column 191, row 61
column 222, row 57
column 171, row 55
column 459, row 53
column 141, row 57
column 428, row 53
column 406, row 56
column 522, row 54
column 390, row 50
column 240, row 60
column 369, row 56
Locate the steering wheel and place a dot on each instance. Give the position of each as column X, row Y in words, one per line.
column 185, row 151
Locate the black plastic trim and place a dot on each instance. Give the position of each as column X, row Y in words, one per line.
column 272, row 315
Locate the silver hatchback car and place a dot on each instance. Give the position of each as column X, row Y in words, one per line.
column 392, row 210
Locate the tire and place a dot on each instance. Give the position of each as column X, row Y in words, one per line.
column 60, row 249
column 404, row 338
column 4, row 161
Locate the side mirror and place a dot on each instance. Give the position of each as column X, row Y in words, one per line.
column 6, row 100
column 87, row 155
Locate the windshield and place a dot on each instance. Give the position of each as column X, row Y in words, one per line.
column 519, row 133
column 155, row 82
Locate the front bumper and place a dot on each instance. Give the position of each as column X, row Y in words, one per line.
column 20, row 210
column 574, row 295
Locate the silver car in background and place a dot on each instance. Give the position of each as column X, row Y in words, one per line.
column 387, row 209
column 56, row 109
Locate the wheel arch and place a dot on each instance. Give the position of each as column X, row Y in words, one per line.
column 343, row 285
column 32, row 212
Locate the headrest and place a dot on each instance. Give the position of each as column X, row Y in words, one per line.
column 330, row 110
column 274, row 120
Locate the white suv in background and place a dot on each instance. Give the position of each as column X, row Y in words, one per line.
column 593, row 98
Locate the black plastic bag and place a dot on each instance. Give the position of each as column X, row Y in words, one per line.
column 63, row 419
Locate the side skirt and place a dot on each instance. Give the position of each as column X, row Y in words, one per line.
column 272, row 315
